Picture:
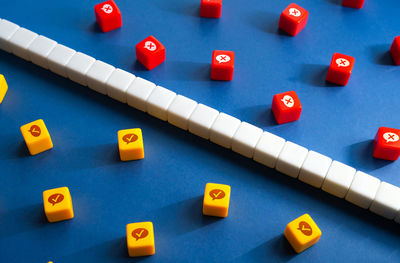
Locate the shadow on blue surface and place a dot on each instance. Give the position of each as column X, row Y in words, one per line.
column 334, row 2
column 180, row 7
column 261, row 115
column 380, row 55
column 315, row 74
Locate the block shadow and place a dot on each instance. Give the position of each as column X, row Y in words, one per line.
column 179, row 7
column 314, row 75
column 267, row 22
column 334, row 2
column 260, row 114
column 380, row 55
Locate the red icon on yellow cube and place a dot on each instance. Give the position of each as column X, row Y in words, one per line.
column 58, row 204
column 3, row 88
column 140, row 239
column 130, row 144
column 37, row 137
column 302, row 233
column 216, row 200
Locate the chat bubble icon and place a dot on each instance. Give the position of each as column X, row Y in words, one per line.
column 288, row 101
column 55, row 198
column 140, row 233
column 150, row 45
column 35, row 131
column 294, row 12
column 129, row 138
column 342, row 62
column 223, row 58
column 107, row 9
column 217, row 194
column 305, row 228
column 391, row 137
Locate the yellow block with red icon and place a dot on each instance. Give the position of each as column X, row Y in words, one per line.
column 130, row 144
column 140, row 239
column 58, row 204
column 37, row 137
column 216, row 200
column 302, row 233
column 3, row 88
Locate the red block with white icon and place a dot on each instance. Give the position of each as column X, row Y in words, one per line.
column 293, row 19
column 387, row 144
column 108, row 16
column 286, row 107
column 150, row 52
column 353, row 3
column 210, row 8
column 222, row 65
column 340, row 69
column 395, row 50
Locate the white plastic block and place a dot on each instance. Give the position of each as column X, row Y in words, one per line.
column 268, row 149
column 291, row 159
column 314, row 169
column 363, row 189
column 59, row 58
column 40, row 49
column 7, row 30
column 180, row 110
column 98, row 75
column 138, row 93
column 223, row 129
column 245, row 139
column 159, row 101
column 201, row 120
column 20, row 41
column 78, row 66
column 338, row 179
column 387, row 201
column 118, row 83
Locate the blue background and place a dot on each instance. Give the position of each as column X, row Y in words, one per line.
column 167, row 186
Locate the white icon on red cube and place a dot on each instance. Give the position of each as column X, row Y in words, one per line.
column 288, row 101
column 294, row 12
column 223, row 58
column 107, row 9
column 391, row 137
column 342, row 62
column 150, row 45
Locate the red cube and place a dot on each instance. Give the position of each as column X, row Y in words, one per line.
column 340, row 69
column 222, row 65
column 150, row 52
column 108, row 16
column 395, row 50
column 387, row 144
column 353, row 3
column 210, row 8
column 293, row 19
column 286, row 107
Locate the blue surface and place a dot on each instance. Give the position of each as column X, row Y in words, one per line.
column 167, row 186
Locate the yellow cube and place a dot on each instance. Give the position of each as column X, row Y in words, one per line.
column 36, row 137
column 58, row 204
column 140, row 239
column 3, row 88
column 130, row 144
column 216, row 200
column 302, row 233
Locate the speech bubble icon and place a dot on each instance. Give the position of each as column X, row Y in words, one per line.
column 35, row 131
column 139, row 233
column 217, row 194
column 305, row 228
column 129, row 138
column 223, row 58
column 342, row 62
column 55, row 198
column 288, row 101
column 107, row 9
column 294, row 12
column 150, row 45
column 391, row 137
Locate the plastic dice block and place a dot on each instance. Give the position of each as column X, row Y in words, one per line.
column 302, row 233
column 216, row 200
column 210, row 8
column 395, row 50
column 130, row 144
column 58, row 204
column 140, row 239
column 293, row 19
column 340, row 69
column 3, row 88
column 353, row 3
column 387, row 201
column 286, row 107
column 150, row 52
column 108, row 16
column 37, row 137
column 387, row 144
column 222, row 65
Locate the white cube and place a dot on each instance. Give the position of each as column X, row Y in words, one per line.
column 59, row 58
column 363, row 189
column 138, row 93
column 78, row 66
column 180, row 110
column 338, row 180
column 159, row 101
column 314, row 169
column 40, row 49
column 245, row 139
column 201, row 120
column 223, row 129
column 291, row 159
column 7, row 30
column 387, row 201
column 98, row 75
column 118, row 83
column 20, row 41
column 268, row 149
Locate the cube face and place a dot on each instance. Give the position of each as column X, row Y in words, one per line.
column 140, row 239
column 216, row 200
column 286, row 107
column 293, row 19
column 338, row 179
column 3, row 88
column 36, row 136
column 222, row 65
column 130, row 144
column 302, row 233
column 150, row 52
column 395, row 50
column 58, row 204
column 387, row 144
column 108, row 16
column 353, row 3
column 210, row 8
column 340, row 69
